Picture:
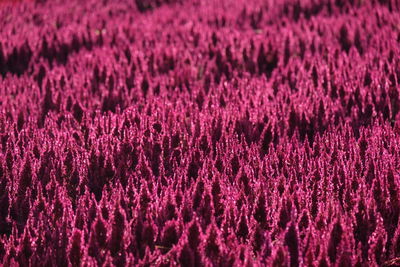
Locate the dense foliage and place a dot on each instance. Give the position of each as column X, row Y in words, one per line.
column 200, row 133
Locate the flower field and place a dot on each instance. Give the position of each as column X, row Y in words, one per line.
column 200, row 133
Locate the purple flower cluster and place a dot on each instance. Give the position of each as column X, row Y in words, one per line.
column 200, row 133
